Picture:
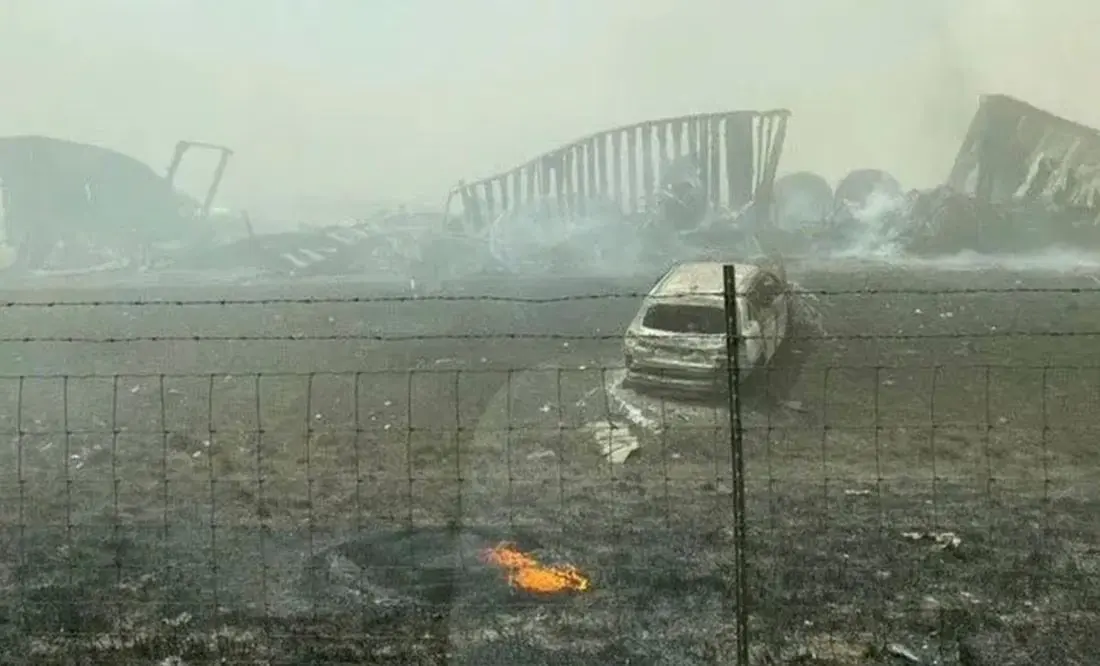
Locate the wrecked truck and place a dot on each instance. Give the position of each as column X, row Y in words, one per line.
column 1038, row 174
column 66, row 203
column 1024, row 180
column 75, row 207
column 624, row 199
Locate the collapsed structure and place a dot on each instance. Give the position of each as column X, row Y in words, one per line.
column 627, row 198
column 1016, row 151
column 58, row 191
column 592, row 201
column 736, row 154
column 1024, row 179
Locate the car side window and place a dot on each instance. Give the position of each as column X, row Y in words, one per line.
column 768, row 289
column 762, row 294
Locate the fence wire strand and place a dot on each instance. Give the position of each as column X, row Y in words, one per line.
column 914, row 487
column 528, row 300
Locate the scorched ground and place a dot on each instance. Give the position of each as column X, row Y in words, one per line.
column 924, row 483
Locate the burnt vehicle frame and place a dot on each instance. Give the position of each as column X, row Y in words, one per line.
column 676, row 343
column 637, row 174
column 61, row 191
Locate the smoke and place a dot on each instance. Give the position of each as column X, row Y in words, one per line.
column 1051, row 261
column 1042, row 52
column 878, row 216
column 409, row 102
column 342, row 103
column 538, row 239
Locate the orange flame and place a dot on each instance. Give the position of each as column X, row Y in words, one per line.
column 528, row 574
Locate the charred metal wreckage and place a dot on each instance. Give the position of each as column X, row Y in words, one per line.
column 627, row 200
column 78, row 199
column 69, row 206
column 1024, row 180
column 628, row 195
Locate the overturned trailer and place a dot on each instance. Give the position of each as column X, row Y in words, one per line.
column 65, row 193
column 682, row 172
column 1014, row 150
column 1026, row 178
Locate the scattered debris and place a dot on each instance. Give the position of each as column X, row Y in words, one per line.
column 904, row 653
column 647, row 194
column 73, row 205
column 637, row 195
column 617, row 443
column 942, row 540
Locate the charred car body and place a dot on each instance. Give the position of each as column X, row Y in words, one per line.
column 677, row 341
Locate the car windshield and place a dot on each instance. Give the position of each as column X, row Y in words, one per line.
column 698, row 319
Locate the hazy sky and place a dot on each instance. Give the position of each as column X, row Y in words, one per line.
column 399, row 99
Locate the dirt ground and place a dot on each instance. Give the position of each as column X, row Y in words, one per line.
column 920, row 478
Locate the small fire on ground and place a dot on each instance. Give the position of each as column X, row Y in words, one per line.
column 528, row 574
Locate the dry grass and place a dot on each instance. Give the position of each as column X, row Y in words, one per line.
column 843, row 512
column 127, row 504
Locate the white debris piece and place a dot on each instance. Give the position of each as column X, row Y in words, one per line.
column 942, row 540
column 615, row 440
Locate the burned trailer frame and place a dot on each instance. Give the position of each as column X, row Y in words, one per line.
column 1016, row 152
column 224, row 153
column 59, row 190
column 737, row 153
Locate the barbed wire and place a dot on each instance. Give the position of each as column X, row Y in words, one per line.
column 213, row 488
column 564, row 337
column 545, row 368
column 867, row 494
column 531, row 300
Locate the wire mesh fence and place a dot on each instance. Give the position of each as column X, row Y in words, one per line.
column 473, row 481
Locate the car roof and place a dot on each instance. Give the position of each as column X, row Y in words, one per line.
column 700, row 278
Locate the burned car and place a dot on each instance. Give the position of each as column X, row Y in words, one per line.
column 677, row 341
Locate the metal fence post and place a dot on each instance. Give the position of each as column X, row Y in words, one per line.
column 733, row 385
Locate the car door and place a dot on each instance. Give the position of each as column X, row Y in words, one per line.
column 769, row 292
column 781, row 307
column 757, row 326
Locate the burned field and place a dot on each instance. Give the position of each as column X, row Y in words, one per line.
column 924, row 481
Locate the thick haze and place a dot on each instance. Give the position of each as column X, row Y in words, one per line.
column 398, row 100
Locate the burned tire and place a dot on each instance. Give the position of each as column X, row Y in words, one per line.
column 859, row 186
column 802, row 198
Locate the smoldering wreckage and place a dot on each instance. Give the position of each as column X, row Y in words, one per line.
column 645, row 195
column 637, row 199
